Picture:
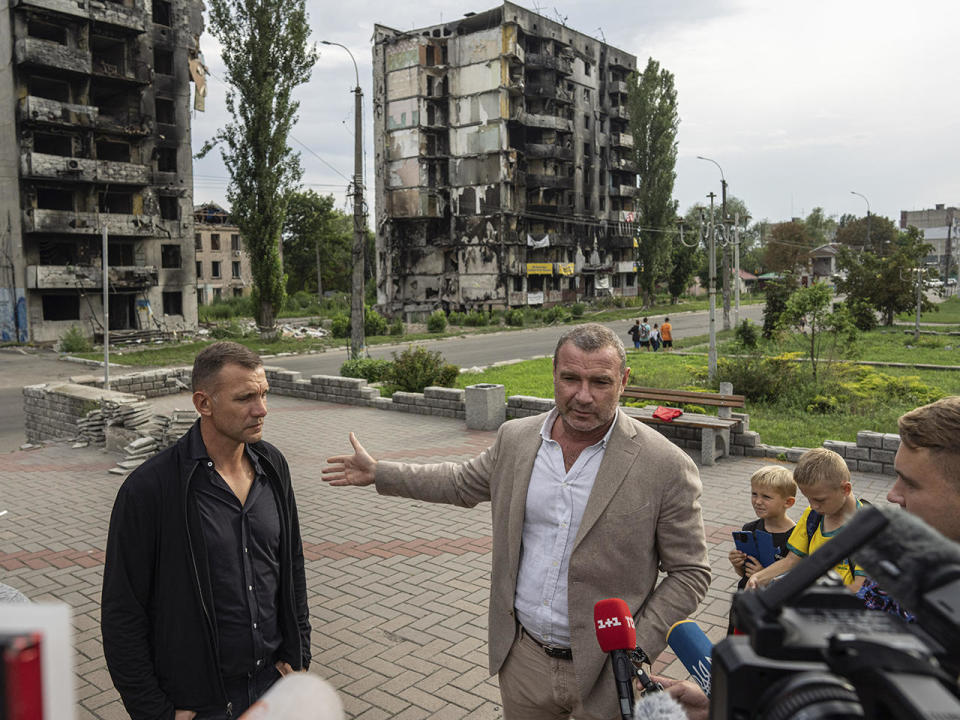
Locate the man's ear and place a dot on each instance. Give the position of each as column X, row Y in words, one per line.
column 203, row 403
column 790, row 501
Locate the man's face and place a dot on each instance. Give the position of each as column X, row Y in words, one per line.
column 236, row 403
column 923, row 489
column 827, row 498
column 587, row 387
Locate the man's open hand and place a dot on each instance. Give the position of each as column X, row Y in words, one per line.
column 357, row 469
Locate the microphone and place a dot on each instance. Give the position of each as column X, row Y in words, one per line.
column 297, row 696
column 617, row 636
column 916, row 565
column 692, row 648
column 658, row 706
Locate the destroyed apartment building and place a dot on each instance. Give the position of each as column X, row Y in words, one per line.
column 96, row 140
column 505, row 167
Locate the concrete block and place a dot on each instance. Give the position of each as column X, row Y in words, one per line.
column 883, row 456
column 774, row 451
column 744, row 419
column 858, row 453
column 838, row 446
column 851, row 464
column 889, row 469
column 747, row 439
column 795, row 453
column 485, row 406
column 754, row 452
column 891, row 441
column 870, row 439
column 736, row 450
column 870, row 467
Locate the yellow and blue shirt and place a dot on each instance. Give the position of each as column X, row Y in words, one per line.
column 802, row 545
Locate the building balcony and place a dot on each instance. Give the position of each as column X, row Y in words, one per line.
column 40, row 165
column 126, row 124
column 617, row 86
column 549, row 209
column 66, row 7
column 136, row 73
column 553, row 92
column 51, row 112
column 116, row 15
column 536, row 150
column 561, row 64
column 625, row 266
column 621, row 140
column 70, row 222
column 555, row 182
column 44, row 53
column 624, row 165
column 619, row 112
column 89, row 277
column 550, row 122
column 624, row 190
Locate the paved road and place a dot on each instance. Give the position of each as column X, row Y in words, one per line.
column 481, row 350
column 398, row 590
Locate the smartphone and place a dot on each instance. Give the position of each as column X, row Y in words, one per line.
column 745, row 542
column 766, row 552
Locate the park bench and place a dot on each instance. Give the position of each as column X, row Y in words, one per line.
column 708, row 433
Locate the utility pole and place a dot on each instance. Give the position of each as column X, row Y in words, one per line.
column 104, row 267
column 916, row 326
column 736, row 265
column 726, row 252
column 357, row 340
column 948, row 253
column 712, row 252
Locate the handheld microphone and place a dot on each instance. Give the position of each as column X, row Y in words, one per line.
column 617, row 636
column 692, row 648
column 297, row 696
column 658, row 706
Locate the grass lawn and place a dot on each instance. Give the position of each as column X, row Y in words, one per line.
column 947, row 312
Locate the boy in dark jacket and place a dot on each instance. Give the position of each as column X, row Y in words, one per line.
column 204, row 600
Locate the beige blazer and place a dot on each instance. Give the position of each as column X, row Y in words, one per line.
column 642, row 517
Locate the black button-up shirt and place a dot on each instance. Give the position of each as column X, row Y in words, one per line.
column 243, row 555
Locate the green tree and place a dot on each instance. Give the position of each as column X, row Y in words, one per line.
column 311, row 224
column 885, row 282
column 684, row 261
column 777, row 294
column 821, row 228
column 883, row 233
column 788, row 246
column 652, row 102
column 808, row 311
column 266, row 56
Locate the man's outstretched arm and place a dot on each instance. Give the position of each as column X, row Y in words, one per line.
column 357, row 469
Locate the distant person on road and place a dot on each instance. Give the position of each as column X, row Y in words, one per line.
column 666, row 334
column 655, row 337
column 204, row 600
column 634, row 332
column 587, row 504
column 645, row 334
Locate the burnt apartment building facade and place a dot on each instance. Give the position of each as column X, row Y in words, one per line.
column 95, row 137
column 505, row 167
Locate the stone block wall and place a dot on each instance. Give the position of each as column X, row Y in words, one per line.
column 53, row 410
column 150, row 383
column 873, row 452
column 526, row 405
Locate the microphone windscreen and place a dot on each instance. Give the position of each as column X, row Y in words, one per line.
column 613, row 622
column 658, row 706
column 297, row 696
column 692, row 648
column 908, row 557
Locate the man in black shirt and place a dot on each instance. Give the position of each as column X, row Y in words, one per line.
column 204, row 594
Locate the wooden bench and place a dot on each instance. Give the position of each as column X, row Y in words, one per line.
column 714, row 431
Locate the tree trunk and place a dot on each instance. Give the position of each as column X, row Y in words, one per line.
column 266, row 321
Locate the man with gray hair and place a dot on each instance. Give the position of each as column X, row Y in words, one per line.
column 587, row 504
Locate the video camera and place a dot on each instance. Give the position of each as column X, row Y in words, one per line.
column 815, row 651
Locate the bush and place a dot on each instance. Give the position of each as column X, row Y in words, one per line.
column 340, row 326
column 374, row 323
column 777, row 294
column 747, row 334
column 475, row 318
column 863, row 314
column 73, row 340
column 416, row 368
column 228, row 331
column 437, row 322
column 456, row 318
column 554, row 314
column 577, row 310
column 396, row 327
column 757, row 377
column 822, row 405
column 514, row 317
column 226, row 308
column 370, row 369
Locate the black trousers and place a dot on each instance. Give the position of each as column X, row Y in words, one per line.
column 243, row 692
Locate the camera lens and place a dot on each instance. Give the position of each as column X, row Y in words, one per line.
column 810, row 696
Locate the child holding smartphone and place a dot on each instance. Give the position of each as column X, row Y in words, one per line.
column 772, row 492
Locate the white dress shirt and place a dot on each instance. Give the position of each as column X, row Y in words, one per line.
column 556, row 499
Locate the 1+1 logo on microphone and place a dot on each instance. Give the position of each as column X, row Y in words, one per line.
column 614, row 622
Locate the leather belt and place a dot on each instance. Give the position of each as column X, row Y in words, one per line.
column 559, row 653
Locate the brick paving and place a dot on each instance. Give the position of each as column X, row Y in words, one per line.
column 397, row 589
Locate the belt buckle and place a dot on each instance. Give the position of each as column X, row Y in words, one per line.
column 558, row 652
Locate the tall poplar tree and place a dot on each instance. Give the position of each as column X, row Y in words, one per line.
column 652, row 102
column 266, row 54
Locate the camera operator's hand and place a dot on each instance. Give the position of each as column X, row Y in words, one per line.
column 752, row 566
column 737, row 558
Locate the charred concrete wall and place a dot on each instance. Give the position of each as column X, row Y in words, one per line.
column 98, row 97
column 504, row 166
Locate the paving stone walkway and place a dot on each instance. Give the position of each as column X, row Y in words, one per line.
column 398, row 589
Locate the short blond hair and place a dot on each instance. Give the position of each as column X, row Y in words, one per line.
column 776, row 478
column 820, row 465
column 936, row 427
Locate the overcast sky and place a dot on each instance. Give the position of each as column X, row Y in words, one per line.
column 799, row 102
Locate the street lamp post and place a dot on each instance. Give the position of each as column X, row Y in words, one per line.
column 712, row 292
column 356, row 295
column 726, row 253
column 854, row 192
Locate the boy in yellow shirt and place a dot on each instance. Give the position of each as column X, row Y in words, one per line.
column 824, row 479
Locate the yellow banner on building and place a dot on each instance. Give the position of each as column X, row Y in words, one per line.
column 635, row 243
column 564, row 268
column 540, row 268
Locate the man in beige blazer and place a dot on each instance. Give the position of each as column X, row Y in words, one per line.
column 587, row 504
